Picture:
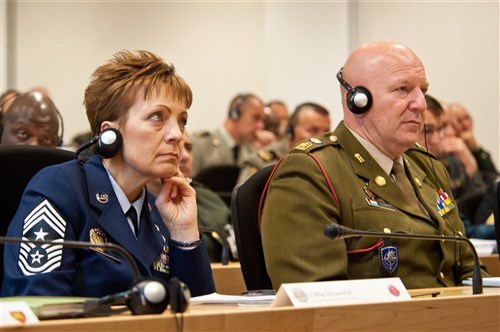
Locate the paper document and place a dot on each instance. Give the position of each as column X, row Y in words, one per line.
column 487, row 282
column 216, row 298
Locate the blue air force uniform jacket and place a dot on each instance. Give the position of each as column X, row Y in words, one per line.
column 75, row 201
column 301, row 201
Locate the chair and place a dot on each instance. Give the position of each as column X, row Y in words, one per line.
column 496, row 212
column 18, row 164
column 469, row 202
column 220, row 178
column 244, row 216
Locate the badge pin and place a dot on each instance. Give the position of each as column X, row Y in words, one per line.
column 388, row 259
column 359, row 158
column 444, row 203
column 315, row 140
column 97, row 236
column 102, row 197
column 369, row 193
column 304, row 146
column 161, row 262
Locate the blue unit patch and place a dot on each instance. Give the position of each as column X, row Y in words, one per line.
column 389, row 259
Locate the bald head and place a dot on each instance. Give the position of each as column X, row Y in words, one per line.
column 396, row 79
column 31, row 120
column 371, row 61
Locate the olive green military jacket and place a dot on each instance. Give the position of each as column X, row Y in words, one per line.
column 299, row 204
column 262, row 158
column 211, row 149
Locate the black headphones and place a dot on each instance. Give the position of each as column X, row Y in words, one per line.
column 153, row 297
column 107, row 143
column 60, row 137
column 234, row 110
column 146, row 297
column 359, row 99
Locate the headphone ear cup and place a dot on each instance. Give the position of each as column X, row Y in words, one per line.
column 179, row 296
column 360, row 100
column 109, row 142
column 290, row 131
column 234, row 113
column 150, row 296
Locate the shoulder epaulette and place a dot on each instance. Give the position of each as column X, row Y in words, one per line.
column 422, row 149
column 202, row 133
column 315, row 143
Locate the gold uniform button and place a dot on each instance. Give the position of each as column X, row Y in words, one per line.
column 334, row 139
column 441, row 275
column 387, row 230
column 380, row 181
column 460, row 233
column 419, row 183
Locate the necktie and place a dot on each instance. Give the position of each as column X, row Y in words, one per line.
column 132, row 215
column 404, row 184
column 236, row 152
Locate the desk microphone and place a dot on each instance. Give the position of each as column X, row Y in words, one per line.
column 335, row 231
column 221, row 239
column 147, row 296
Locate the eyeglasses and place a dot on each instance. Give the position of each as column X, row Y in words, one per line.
column 429, row 130
column 188, row 146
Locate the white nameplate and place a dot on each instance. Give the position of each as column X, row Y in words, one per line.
column 329, row 293
column 16, row 313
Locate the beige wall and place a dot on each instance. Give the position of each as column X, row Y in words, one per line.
column 278, row 50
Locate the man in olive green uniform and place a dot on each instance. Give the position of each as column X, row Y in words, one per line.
column 307, row 120
column 241, row 134
column 345, row 177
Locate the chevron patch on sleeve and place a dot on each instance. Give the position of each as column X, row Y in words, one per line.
column 46, row 224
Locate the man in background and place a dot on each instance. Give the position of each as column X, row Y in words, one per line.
column 279, row 110
column 32, row 119
column 241, row 134
column 308, row 120
column 463, row 127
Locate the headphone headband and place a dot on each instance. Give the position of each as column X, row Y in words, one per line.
column 343, row 82
column 359, row 99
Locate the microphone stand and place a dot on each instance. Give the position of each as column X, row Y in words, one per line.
column 335, row 231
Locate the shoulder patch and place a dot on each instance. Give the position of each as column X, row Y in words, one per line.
column 202, row 133
column 420, row 149
column 46, row 224
column 303, row 146
column 316, row 142
column 267, row 155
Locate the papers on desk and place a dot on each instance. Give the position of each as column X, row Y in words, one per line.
column 484, row 247
column 487, row 282
column 244, row 300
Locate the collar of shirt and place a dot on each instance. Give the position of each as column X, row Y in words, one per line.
column 122, row 198
column 227, row 137
column 385, row 162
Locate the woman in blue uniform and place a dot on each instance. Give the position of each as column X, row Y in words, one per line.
column 140, row 96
